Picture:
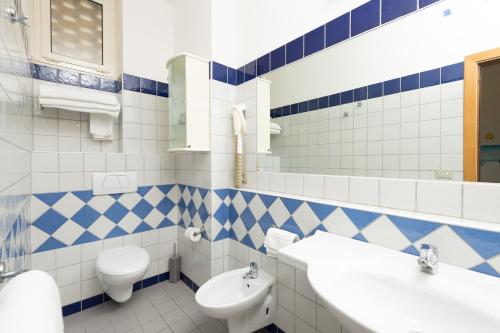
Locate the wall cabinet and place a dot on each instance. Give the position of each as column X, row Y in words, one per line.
column 263, row 116
column 189, row 103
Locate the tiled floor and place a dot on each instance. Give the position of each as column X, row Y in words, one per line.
column 164, row 307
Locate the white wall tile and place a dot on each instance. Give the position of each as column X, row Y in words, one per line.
column 70, row 162
column 314, row 186
column 68, row 256
column 294, row 183
column 364, row 190
column 481, row 202
column 45, row 162
column 94, row 162
column 442, row 198
column 398, row 194
column 337, row 188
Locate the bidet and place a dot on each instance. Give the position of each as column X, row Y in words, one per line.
column 248, row 304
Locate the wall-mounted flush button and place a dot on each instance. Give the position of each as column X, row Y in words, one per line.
column 114, row 182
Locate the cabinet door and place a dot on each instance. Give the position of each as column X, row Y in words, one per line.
column 177, row 103
column 263, row 116
column 198, row 104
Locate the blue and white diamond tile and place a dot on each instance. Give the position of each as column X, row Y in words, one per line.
column 194, row 205
column 70, row 218
column 249, row 215
column 339, row 223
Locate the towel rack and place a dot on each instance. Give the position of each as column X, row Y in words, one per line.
column 7, row 275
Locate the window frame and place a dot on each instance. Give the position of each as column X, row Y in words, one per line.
column 43, row 49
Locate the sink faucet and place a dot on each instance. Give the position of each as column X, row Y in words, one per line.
column 428, row 259
column 253, row 273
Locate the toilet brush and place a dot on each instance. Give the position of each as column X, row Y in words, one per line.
column 174, row 266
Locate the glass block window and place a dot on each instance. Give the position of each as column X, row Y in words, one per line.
column 77, row 29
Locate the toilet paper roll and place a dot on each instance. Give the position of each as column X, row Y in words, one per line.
column 193, row 234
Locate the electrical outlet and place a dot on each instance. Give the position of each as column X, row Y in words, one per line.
column 443, row 174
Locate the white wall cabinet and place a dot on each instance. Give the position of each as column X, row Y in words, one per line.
column 263, row 116
column 189, row 103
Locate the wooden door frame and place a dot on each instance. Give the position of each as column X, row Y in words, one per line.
column 472, row 78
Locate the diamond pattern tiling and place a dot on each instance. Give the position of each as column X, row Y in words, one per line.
column 68, row 205
column 154, row 196
column 67, row 218
column 129, row 200
column 257, row 236
column 486, row 243
column 63, row 219
column 495, row 263
column 305, row 218
column 338, row 223
column 101, row 227
column 101, row 203
column 50, row 221
column 86, row 216
column 413, row 229
column 257, row 207
column 383, row 232
column 69, row 232
column 249, row 216
column 142, row 209
column 452, row 249
column 278, row 212
column 239, row 203
column 130, row 222
column 239, row 229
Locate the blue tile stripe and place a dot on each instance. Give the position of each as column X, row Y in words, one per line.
column 83, row 80
column 74, row 78
column 366, row 17
column 145, row 86
column 251, row 214
column 442, row 75
column 102, row 298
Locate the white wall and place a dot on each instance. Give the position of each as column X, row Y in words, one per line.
column 148, row 37
column 246, row 29
column 192, row 25
column 421, row 41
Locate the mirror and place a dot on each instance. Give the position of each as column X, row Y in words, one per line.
column 381, row 104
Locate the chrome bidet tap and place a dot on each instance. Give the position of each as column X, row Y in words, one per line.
column 428, row 259
column 253, row 273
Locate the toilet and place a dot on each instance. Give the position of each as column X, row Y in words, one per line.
column 118, row 270
column 247, row 304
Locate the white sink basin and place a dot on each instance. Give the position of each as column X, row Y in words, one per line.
column 373, row 289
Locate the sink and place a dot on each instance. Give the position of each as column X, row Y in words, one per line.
column 374, row 289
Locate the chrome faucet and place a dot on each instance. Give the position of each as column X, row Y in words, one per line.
column 428, row 259
column 253, row 273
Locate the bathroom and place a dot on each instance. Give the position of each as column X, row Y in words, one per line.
column 249, row 166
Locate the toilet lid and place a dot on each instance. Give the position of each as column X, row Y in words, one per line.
column 122, row 261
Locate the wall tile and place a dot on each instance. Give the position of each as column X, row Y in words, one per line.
column 398, row 194
column 364, row 190
column 314, row 41
column 442, row 198
column 365, row 17
column 392, row 9
column 338, row 29
column 480, row 202
column 294, row 50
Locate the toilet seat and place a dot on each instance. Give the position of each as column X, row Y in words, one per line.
column 122, row 261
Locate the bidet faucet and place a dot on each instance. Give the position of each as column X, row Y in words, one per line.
column 253, row 273
column 428, row 259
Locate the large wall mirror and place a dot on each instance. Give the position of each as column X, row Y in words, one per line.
column 388, row 104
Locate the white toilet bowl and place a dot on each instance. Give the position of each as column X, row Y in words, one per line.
column 118, row 270
column 247, row 304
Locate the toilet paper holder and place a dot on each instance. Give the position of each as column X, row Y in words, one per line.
column 200, row 232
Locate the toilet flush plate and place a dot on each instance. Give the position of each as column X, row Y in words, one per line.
column 114, row 182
